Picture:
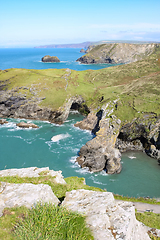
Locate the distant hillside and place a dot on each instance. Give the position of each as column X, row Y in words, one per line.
column 72, row 45
column 117, row 53
column 87, row 44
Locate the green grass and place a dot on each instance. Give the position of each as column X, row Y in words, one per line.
column 47, row 221
column 151, row 220
column 44, row 221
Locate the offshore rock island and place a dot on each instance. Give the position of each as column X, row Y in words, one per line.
column 121, row 103
column 48, row 58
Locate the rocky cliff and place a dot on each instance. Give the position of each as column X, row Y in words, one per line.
column 117, row 53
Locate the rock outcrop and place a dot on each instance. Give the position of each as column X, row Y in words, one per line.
column 25, row 194
column 141, row 134
column 100, row 153
column 48, row 58
column 106, row 218
column 117, row 53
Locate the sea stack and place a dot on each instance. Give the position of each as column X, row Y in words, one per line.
column 48, row 58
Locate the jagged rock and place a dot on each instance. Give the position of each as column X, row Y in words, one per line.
column 3, row 121
column 25, row 194
column 117, row 53
column 106, row 218
column 48, row 58
column 88, row 123
column 100, row 152
column 34, row 172
column 26, row 125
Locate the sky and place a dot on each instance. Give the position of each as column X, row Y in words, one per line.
column 29, row 23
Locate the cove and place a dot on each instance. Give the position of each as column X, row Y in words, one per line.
column 33, row 147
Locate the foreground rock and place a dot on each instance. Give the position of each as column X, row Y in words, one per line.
column 25, row 194
column 34, row 172
column 106, row 218
column 26, row 125
column 48, row 58
column 116, row 53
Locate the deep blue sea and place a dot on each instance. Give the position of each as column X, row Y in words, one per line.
column 19, row 148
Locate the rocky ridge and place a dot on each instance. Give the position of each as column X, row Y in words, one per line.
column 117, row 53
column 107, row 218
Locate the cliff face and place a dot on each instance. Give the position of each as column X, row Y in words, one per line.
column 117, row 53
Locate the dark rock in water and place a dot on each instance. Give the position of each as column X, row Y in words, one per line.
column 48, row 58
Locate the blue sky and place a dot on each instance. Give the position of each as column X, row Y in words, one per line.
column 30, row 23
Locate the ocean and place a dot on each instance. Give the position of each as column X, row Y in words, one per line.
column 33, row 147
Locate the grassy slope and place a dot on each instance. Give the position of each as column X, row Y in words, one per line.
column 136, row 85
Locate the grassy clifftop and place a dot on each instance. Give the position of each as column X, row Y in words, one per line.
column 136, row 86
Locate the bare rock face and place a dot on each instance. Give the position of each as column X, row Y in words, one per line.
column 106, row 218
column 100, row 153
column 48, row 58
column 25, row 194
column 26, row 125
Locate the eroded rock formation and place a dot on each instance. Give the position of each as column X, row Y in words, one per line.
column 100, row 153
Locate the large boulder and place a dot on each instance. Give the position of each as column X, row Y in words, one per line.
column 106, row 218
column 48, row 58
column 25, row 194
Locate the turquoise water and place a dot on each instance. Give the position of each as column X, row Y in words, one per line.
column 33, row 147
column 30, row 58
